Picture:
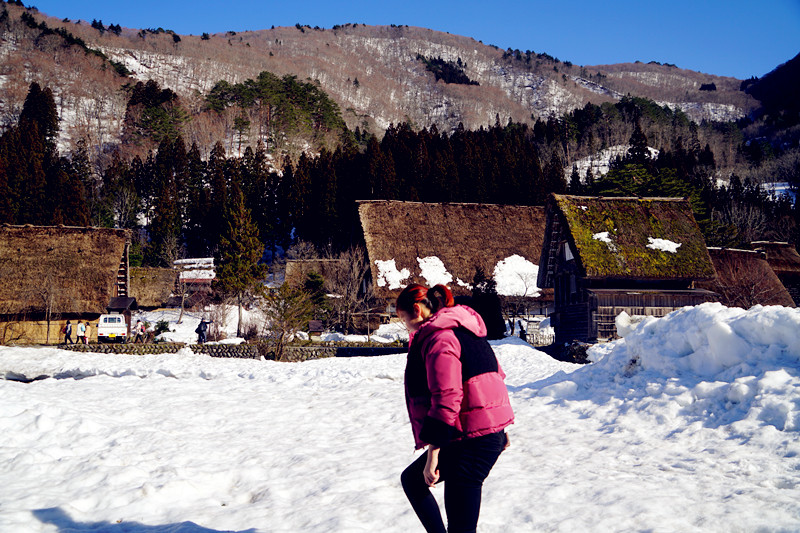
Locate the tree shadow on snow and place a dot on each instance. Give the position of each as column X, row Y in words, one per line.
column 64, row 523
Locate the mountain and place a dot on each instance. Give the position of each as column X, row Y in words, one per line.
column 777, row 91
column 378, row 75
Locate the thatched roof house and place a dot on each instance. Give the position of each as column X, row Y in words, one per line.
column 626, row 239
column 744, row 279
column 81, row 265
column 785, row 261
column 57, row 271
column 603, row 256
column 152, row 287
column 427, row 243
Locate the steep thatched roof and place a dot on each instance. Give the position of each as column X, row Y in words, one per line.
column 73, row 268
column 651, row 239
column 744, row 279
column 781, row 256
column 461, row 236
column 152, row 287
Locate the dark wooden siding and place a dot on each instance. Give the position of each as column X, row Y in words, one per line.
column 607, row 304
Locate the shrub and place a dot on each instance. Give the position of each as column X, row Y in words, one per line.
column 161, row 327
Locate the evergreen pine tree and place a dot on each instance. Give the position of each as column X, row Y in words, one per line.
column 238, row 270
column 487, row 303
column 40, row 108
column 575, row 185
column 5, row 201
column 638, row 152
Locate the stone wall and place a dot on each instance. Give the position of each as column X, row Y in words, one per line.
column 239, row 351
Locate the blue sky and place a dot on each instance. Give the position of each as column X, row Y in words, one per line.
column 725, row 37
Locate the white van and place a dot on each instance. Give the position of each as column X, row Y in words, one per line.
column 112, row 328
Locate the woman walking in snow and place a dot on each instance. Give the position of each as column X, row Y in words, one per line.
column 458, row 405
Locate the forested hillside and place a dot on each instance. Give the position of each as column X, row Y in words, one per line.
column 150, row 130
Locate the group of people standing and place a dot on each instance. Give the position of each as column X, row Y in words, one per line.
column 82, row 330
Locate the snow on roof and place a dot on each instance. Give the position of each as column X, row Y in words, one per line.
column 197, row 274
column 389, row 276
column 194, row 262
column 433, row 270
column 604, row 236
column 665, row 245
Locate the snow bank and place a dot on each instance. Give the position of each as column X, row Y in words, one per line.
column 710, row 364
column 689, row 423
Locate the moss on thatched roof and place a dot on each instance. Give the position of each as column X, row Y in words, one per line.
column 632, row 238
column 462, row 236
column 744, row 278
column 781, row 256
column 152, row 287
column 74, row 268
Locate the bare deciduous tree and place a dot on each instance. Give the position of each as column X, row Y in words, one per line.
column 345, row 280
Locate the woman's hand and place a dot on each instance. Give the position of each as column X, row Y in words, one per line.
column 431, row 472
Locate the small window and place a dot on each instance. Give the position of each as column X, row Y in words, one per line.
column 105, row 320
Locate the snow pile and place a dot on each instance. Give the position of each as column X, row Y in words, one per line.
column 389, row 276
column 709, row 364
column 516, row 276
column 433, row 270
column 664, row 245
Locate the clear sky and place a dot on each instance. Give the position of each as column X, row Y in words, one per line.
column 739, row 38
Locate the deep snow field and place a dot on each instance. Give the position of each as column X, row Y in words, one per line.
column 688, row 424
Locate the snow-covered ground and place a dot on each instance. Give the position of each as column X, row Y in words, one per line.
column 227, row 316
column 780, row 188
column 690, row 423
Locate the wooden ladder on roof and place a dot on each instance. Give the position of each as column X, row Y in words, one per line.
column 552, row 252
column 123, row 274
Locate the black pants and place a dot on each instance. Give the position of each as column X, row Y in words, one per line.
column 463, row 466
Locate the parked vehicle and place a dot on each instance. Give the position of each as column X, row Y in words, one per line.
column 112, row 328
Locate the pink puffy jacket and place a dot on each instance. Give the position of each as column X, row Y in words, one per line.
column 454, row 384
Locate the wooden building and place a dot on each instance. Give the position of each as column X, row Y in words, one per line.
column 153, row 287
column 51, row 274
column 744, row 279
column 408, row 240
column 603, row 256
column 785, row 262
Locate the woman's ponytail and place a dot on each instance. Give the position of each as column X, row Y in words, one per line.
column 440, row 296
column 434, row 298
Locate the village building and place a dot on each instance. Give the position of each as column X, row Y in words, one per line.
column 432, row 243
column 153, row 288
column 785, row 261
column 193, row 287
column 603, row 256
column 52, row 274
column 744, row 279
